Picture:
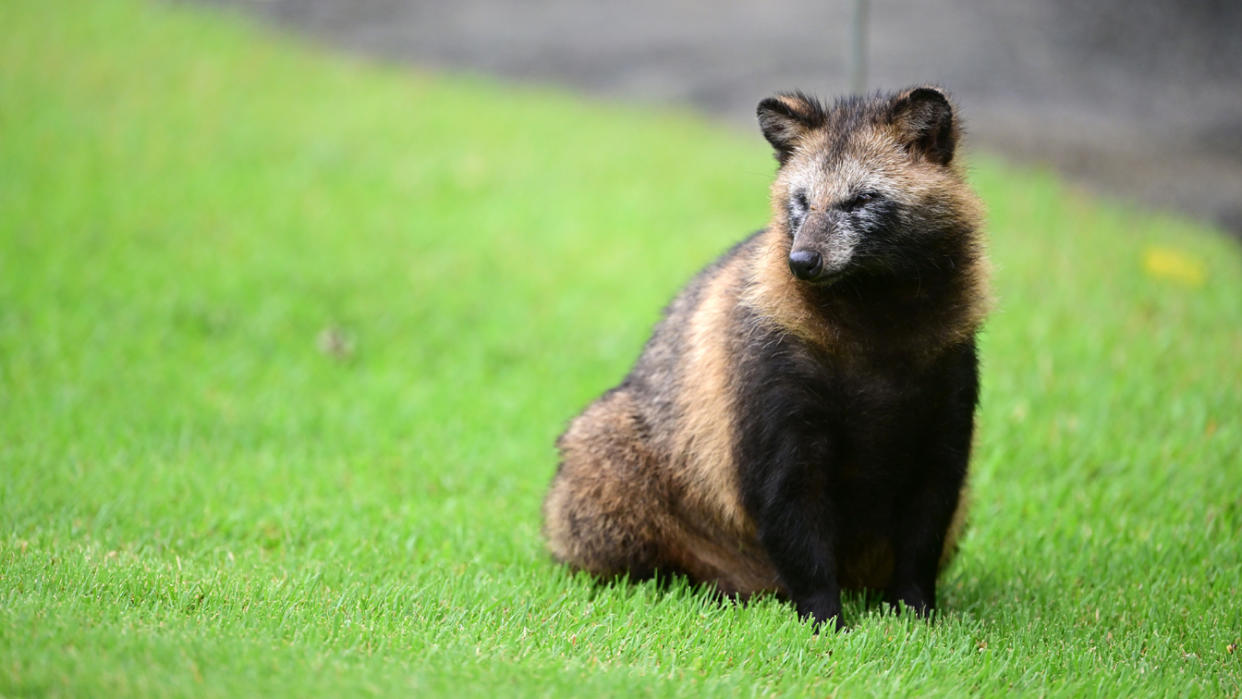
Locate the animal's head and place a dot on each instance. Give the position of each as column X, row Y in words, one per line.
column 866, row 184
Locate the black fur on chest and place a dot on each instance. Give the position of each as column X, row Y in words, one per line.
column 852, row 468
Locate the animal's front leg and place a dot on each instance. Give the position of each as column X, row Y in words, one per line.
column 920, row 541
column 785, row 440
column 794, row 520
column 931, row 496
column 925, row 513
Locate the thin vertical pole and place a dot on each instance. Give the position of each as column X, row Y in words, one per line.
column 858, row 48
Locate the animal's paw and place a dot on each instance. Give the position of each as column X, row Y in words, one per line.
column 824, row 609
column 912, row 597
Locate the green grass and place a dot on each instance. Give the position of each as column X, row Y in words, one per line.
column 197, row 499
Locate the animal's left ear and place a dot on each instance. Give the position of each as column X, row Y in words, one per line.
column 925, row 123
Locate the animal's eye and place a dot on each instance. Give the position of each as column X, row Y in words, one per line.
column 800, row 203
column 859, row 200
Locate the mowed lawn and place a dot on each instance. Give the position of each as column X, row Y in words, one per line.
column 286, row 339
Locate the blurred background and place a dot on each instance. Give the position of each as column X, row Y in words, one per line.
column 1140, row 99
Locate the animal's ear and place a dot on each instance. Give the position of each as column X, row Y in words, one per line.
column 925, row 123
column 786, row 118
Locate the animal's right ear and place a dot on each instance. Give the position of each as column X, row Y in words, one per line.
column 786, row 118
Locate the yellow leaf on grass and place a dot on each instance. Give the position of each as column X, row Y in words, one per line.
column 1173, row 265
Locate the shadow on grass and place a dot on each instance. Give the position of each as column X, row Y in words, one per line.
column 989, row 595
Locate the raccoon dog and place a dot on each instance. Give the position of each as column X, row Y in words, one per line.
column 800, row 421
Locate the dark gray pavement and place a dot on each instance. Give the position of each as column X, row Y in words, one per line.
column 1139, row 99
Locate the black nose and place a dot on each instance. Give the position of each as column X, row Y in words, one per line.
column 805, row 264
